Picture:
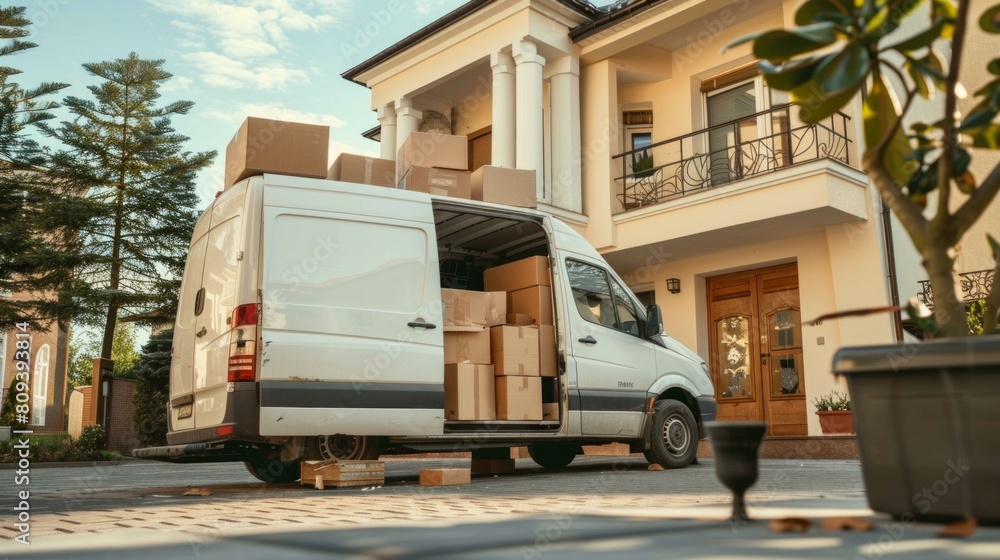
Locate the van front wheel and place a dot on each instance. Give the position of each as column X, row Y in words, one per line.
column 673, row 435
column 349, row 448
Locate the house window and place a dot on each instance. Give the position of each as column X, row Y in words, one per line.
column 3, row 364
column 638, row 135
column 732, row 123
column 40, row 386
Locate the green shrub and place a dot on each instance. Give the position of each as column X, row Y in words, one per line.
column 152, row 391
column 91, row 444
column 8, row 416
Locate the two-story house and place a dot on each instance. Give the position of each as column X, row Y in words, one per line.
column 696, row 181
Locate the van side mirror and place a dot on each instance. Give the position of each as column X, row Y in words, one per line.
column 654, row 321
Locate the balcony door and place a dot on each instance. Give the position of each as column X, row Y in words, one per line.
column 735, row 108
column 756, row 348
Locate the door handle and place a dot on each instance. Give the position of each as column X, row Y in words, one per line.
column 588, row 340
column 202, row 332
column 421, row 325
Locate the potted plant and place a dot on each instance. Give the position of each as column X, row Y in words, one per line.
column 834, row 411
column 925, row 414
column 642, row 164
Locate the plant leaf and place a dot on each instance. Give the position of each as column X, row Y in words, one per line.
column 881, row 114
column 781, row 44
column 815, row 105
column 811, row 9
column 846, row 69
column 990, row 20
column 920, row 40
column 919, row 80
column 790, row 75
column 988, row 137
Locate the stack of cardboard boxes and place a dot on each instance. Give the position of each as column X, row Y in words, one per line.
column 434, row 164
column 517, row 352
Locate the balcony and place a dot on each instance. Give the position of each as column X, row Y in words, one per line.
column 727, row 153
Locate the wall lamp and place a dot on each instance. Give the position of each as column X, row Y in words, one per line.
column 674, row 285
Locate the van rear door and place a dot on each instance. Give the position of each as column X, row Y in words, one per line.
column 351, row 311
column 198, row 377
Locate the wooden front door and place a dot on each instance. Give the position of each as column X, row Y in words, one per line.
column 756, row 350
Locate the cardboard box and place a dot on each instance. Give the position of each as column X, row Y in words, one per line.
column 467, row 347
column 519, row 398
column 514, row 187
column 550, row 411
column 463, row 308
column 427, row 149
column 341, row 473
column 547, row 366
column 433, row 180
column 270, row 146
column 445, row 477
column 517, row 275
column 517, row 319
column 353, row 168
column 535, row 302
column 514, row 350
column 469, row 392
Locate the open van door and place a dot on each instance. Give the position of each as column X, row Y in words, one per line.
column 354, row 269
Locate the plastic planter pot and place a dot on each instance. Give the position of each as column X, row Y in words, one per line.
column 927, row 418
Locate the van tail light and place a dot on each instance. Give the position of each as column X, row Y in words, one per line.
column 243, row 344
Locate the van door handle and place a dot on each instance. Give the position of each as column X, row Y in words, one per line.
column 588, row 340
column 421, row 325
column 202, row 332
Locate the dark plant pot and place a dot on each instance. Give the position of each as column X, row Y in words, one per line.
column 928, row 426
column 836, row 421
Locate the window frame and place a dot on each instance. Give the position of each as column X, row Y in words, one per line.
column 610, row 282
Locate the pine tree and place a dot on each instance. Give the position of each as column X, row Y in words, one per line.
column 36, row 225
column 121, row 146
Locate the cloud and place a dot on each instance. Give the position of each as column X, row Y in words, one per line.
column 248, row 43
column 271, row 111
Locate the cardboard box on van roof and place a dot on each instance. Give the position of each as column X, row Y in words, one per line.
column 353, row 168
column 464, row 308
column 517, row 275
column 428, row 149
column 432, row 180
column 504, row 185
column 272, row 146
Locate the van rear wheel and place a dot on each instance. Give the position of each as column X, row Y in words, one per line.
column 273, row 470
column 349, row 448
column 673, row 435
column 554, row 455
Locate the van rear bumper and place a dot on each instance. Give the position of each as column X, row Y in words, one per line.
column 215, row 452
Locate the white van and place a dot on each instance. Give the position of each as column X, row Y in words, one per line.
column 308, row 327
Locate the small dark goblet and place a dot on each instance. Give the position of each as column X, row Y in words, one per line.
column 735, row 445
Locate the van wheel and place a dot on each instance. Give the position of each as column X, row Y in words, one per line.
column 553, row 455
column 349, row 448
column 673, row 435
column 273, row 470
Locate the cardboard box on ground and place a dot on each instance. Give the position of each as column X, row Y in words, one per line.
column 272, row 146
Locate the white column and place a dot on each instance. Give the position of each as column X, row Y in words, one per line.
column 387, row 134
column 503, row 110
column 407, row 120
column 529, row 150
column 567, row 190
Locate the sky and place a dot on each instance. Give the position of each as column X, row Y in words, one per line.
column 232, row 58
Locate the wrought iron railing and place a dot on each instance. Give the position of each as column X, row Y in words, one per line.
column 975, row 286
column 760, row 143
